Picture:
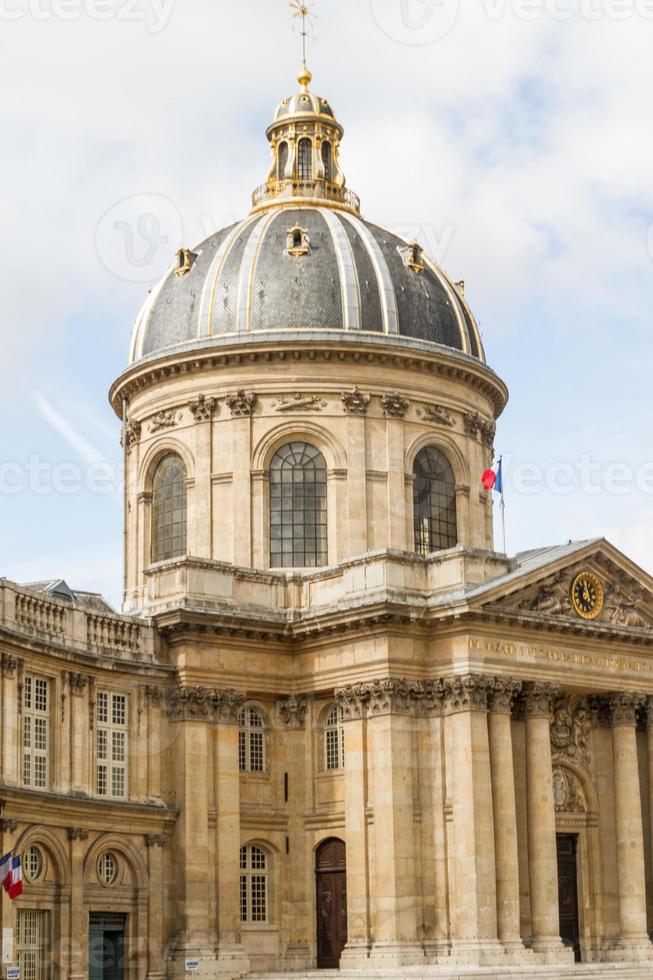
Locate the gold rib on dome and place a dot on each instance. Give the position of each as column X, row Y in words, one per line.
column 305, row 137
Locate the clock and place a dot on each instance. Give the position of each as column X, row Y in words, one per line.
column 587, row 596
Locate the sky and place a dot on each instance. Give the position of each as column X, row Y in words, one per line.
column 513, row 138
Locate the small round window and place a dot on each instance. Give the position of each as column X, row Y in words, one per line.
column 108, row 868
column 33, row 863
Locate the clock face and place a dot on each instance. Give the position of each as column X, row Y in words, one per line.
column 587, row 596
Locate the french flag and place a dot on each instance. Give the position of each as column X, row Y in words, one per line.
column 11, row 875
column 493, row 478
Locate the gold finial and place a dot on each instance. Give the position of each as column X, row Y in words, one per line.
column 303, row 10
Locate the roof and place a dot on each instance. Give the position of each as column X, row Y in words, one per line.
column 58, row 588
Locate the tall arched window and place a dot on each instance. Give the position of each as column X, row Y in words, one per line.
column 305, row 162
column 327, row 160
column 434, row 502
column 251, row 740
column 334, row 739
column 282, row 161
column 169, row 518
column 253, row 884
column 298, row 507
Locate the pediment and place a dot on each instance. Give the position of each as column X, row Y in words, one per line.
column 545, row 591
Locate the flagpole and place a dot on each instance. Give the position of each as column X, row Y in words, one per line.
column 503, row 506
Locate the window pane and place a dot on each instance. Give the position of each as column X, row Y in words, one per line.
column 169, row 509
column 434, row 502
column 298, row 516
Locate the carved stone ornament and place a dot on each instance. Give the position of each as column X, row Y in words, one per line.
column 299, row 403
column 293, row 711
column 164, row 420
column 355, row 402
column 379, row 697
column 552, row 597
column 242, row 403
column 624, row 708
column 8, row 665
column 203, row 704
column 8, row 826
column 468, row 693
column 502, row 695
column 571, row 729
column 153, row 695
column 155, row 840
column 203, row 409
column 477, row 426
column 568, row 795
column 538, row 699
column 353, row 701
column 395, row 405
column 77, row 833
column 130, row 434
column 78, row 683
column 436, row 414
column 621, row 610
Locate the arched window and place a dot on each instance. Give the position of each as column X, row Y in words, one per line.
column 169, row 509
column 334, row 739
column 282, row 160
column 305, row 163
column 253, row 884
column 298, row 507
column 251, row 740
column 434, row 502
column 327, row 160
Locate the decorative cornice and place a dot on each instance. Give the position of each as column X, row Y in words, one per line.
column 468, row 693
column 242, row 403
column 203, row 409
column 502, row 695
column 77, row 833
column 293, row 711
column 395, row 405
column 538, row 699
column 624, row 708
column 355, row 402
column 9, row 665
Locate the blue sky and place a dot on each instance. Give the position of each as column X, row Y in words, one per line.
column 518, row 150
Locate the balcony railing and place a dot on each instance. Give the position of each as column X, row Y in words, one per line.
column 307, row 190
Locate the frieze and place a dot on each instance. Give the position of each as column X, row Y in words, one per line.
column 164, row 420
column 355, row 402
column 395, row 406
column 379, row 697
column 293, row 711
column 353, row 701
column 203, row 409
column 436, row 414
column 571, row 729
column 242, row 403
column 513, row 651
column 299, row 403
column 203, row 704
column 468, row 693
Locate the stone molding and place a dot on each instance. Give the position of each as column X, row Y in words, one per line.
column 203, row 409
column 9, row 665
column 502, row 695
column 355, row 402
column 242, row 404
column 538, row 699
column 624, row 707
column 467, row 693
column 293, row 711
column 203, row 704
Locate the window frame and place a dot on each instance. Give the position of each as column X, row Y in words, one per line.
column 41, row 951
column 248, row 875
column 35, row 722
column 110, row 729
column 252, row 742
column 330, row 728
column 166, row 543
column 305, row 162
column 435, row 504
column 298, row 506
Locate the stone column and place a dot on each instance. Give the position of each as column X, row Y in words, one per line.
column 390, row 713
column 353, row 702
column 505, row 814
column 155, row 964
column 232, row 959
column 474, row 911
column 542, row 845
column 629, row 830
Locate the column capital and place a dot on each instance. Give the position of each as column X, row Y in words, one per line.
column 155, row 840
column 468, row 693
column 648, row 714
column 503, row 694
column 77, row 833
column 380, row 697
column 9, row 665
column 624, row 708
column 203, row 704
column 293, row 711
column 538, row 699
column 8, row 825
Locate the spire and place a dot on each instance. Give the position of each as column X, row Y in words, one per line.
column 303, row 10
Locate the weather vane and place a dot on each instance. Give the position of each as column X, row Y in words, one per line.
column 305, row 11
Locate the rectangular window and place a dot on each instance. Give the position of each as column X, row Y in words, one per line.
column 111, row 744
column 33, row 944
column 36, row 731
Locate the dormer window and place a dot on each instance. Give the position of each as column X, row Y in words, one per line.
column 185, row 261
column 415, row 257
column 305, row 160
column 299, row 242
column 327, row 160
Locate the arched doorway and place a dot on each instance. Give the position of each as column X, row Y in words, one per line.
column 331, row 902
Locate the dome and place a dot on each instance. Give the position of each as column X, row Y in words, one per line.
column 304, row 262
column 303, row 270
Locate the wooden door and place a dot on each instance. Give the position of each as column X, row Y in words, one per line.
column 331, row 900
column 568, row 892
